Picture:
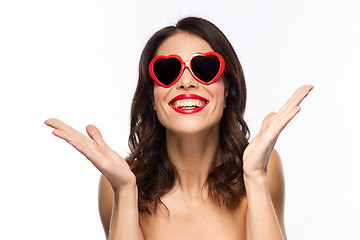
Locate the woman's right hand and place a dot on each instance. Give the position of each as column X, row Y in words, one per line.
column 108, row 162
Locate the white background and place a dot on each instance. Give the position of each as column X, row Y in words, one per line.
column 77, row 61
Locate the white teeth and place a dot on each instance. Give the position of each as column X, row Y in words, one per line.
column 189, row 103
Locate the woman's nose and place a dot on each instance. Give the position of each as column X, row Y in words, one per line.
column 187, row 81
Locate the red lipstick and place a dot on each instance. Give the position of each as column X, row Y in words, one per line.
column 188, row 110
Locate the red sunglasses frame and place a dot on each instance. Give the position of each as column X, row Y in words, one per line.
column 188, row 66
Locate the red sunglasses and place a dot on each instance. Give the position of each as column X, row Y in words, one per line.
column 204, row 67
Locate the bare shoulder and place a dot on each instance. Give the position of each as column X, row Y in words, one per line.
column 105, row 203
column 276, row 184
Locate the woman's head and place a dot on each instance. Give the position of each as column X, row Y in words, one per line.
column 147, row 137
column 207, row 31
column 188, row 106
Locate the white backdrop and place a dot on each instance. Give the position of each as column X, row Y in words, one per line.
column 77, row 61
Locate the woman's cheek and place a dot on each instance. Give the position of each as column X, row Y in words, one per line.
column 160, row 104
column 158, row 96
column 217, row 90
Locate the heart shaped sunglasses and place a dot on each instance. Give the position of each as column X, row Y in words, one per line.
column 204, row 67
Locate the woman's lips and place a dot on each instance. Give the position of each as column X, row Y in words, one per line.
column 188, row 103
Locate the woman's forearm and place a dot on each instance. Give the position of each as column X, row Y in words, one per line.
column 263, row 222
column 124, row 223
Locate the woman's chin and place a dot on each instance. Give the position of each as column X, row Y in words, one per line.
column 191, row 128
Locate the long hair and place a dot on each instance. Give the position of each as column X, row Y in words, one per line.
column 148, row 158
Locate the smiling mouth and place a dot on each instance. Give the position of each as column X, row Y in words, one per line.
column 188, row 103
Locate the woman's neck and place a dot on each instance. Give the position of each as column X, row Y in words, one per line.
column 193, row 156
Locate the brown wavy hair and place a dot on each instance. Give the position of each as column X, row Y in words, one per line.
column 148, row 158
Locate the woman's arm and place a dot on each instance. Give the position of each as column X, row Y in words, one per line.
column 274, row 198
column 262, row 219
column 116, row 208
column 124, row 221
column 125, row 218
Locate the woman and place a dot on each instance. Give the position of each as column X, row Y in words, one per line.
column 191, row 173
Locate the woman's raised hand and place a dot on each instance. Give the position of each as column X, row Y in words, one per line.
column 109, row 163
column 257, row 153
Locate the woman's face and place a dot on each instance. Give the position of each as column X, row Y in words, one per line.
column 186, row 44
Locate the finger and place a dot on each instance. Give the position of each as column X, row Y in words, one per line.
column 303, row 90
column 95, row 134
column 68, row 133
column 296, row 99
column 57, row 124
column 267, row 120
column 84, row 147
column 66, row 136
column 274, row 124
column 283, row 121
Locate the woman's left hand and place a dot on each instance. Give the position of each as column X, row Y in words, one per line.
column 257, row 153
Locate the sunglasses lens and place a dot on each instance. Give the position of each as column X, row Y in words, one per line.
column 205, row 67
column 167, row 70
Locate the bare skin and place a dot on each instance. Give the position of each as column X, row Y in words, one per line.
column 193, row 144
column 194, row 218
